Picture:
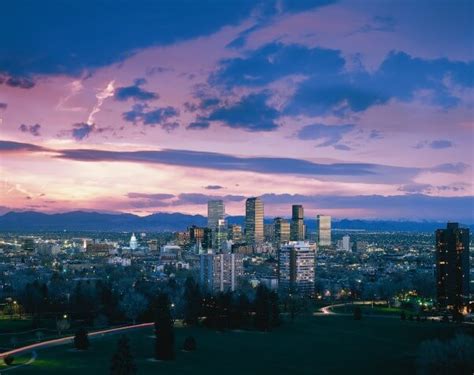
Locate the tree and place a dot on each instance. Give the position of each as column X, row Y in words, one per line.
column 190, row 344
column 164, row 330
column 39, row 336
column 62, row 325
column 14, row 341
column 9, row 360
column 275, row 310
column 122, row 360
column 81, row 339
column 193, row 298
column 262, row 309
column 223, row 313
column 133, row 304
column 101, row 321
column 357, row 313
column 239, row 311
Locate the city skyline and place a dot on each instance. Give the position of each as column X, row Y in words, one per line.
column 238, row 186
column 332, row 105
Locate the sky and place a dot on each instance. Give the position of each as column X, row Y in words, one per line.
column 355, row 109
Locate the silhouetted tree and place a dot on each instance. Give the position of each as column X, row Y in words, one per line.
column 190, row 344
column 457, row 316
column 239, row 311
column 122, row 361
column 262, row 309
column 133, row 304
column 9, row 360
column 357, row 313
column 275, row 310
column 192, row 300
column 81, row 339
column 164, row 330
column 223, row 306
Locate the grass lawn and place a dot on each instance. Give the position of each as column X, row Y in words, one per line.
column 13, row 325
column 21, row 331
column 310, row 345
column 376, row 310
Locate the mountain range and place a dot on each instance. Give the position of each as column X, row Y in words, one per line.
column 30, row 221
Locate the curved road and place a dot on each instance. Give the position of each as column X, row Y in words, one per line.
column 327, row 310
column 69, row 339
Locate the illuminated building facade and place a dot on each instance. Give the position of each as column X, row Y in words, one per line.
column 297, row 230
column 323, row 230
column 220, row 272
column 254, row 221
column 296, row 262
column 452, row 268
column 282, row 231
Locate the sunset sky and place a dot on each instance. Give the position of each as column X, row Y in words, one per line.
column 357, row 109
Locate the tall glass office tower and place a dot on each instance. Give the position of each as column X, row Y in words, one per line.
column 323, row 230
column 254, row 221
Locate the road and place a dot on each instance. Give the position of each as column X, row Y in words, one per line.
column 327, row 310
column 69, row 339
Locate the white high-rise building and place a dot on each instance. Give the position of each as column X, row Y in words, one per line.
column 296, row 263
column 220, row 272
column 346, row 243
column 323, row 230
column 133, row 242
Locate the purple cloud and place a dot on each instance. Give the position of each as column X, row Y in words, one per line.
column 82, row 130
column 441, row 143
column 213, row 187
column 32, row 129
column 153, row 117
column 250, row 113
column 20, row 82
column 328, row 134
column 135, row 92
column 198, row 125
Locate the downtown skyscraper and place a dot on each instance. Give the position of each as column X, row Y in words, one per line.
column 452, row 268
column 281, row 231
column 297, row 229
column 323, row 230
column 216, row 222
column 254, row 221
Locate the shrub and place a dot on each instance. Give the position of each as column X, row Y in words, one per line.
column 8, row 360
column 190, row 344
column 357, row 313
column 81, row 339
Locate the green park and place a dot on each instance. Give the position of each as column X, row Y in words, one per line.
column 322, row 344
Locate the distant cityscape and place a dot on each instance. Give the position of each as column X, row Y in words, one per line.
column 238, row 187
column 284, row 255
